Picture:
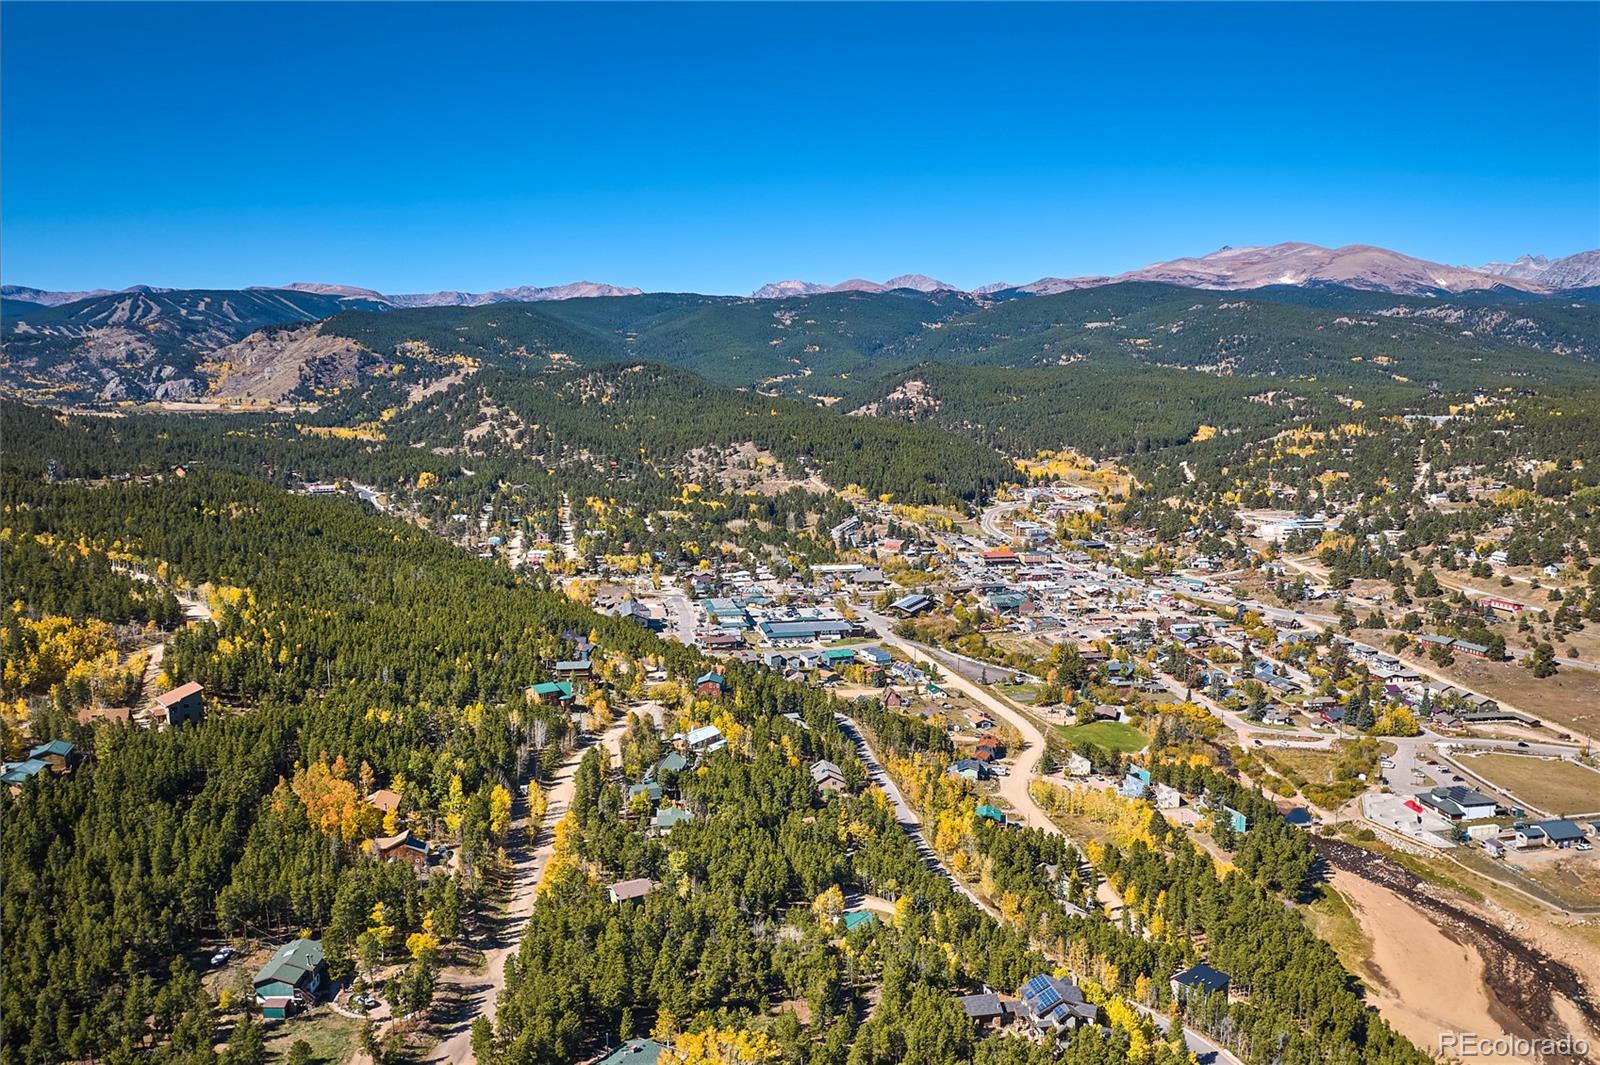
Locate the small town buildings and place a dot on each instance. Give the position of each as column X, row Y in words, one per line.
column 910, row 605
column 291, row 978
column 1560, row 834
column 1458, row 803
column 181, row 706
column 1199, row 979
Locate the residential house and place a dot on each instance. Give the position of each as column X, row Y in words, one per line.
column 970, row 769
column 1561, row 834
column 1199, row 979
column 827, row 776
column 402, row 847
column 291, row 978
column 635, row 1052
column 705, row 739
column 551, row 693
column 1052, row 1004
column 709, row 685
column 857, row 919
column 630, row 890
column 669, row 817
column 59, row 756
column 384, row 801
column 1078, row 765
column 181, row 706
column 989, row 812
column 988, row 1010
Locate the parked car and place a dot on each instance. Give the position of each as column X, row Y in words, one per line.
column 221, row 955
column 1585, row 845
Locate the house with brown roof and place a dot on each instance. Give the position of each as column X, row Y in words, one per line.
column 181, row 706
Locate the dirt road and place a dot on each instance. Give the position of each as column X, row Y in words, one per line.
column 481, row 987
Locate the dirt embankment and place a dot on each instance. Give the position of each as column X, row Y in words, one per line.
column 1522, row 984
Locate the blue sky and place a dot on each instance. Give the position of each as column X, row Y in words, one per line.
column 716, row 147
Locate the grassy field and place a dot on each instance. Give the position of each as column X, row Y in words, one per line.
column 1109, row 735
column 331, row 1036
column 1330, row 918
column 1557, row 787
column 1568, row 701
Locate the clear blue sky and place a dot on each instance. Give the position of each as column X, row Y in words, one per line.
column 713, row 148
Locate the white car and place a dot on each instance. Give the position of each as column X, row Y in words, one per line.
column 222, row 955
column 1584, row 845
column 1387, row 763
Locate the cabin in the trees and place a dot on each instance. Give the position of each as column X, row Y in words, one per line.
column 402, row 847
column 1199, row 979
column 635, row 1052
column 709, row 685
column 1052, row 1004
column 669, row 817
column 291, row 978
column 630, row 890
column 988, row 1010
column 181, row 706
column 59, row 756
column 827, row 776
column 551, row 693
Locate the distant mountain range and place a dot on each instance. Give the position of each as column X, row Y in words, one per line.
column 1358, row 266
column 519, row 294
column 1575, row 271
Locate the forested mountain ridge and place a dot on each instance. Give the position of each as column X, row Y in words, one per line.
column 166, row 345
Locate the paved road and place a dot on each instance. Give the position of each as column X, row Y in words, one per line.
column 904, row 814
column 482, row 987
column 990, row 520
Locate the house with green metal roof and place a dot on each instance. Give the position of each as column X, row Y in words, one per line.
column 635, row 1052
column 552, row 691
column 857, row 918
column 671, row 817
column 992, row 813
column 291, row 978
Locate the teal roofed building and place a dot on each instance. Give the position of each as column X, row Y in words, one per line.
column 552, row 691
column 992, row 813
column 291, row 978
column 858, row 919
column 635, row 1052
